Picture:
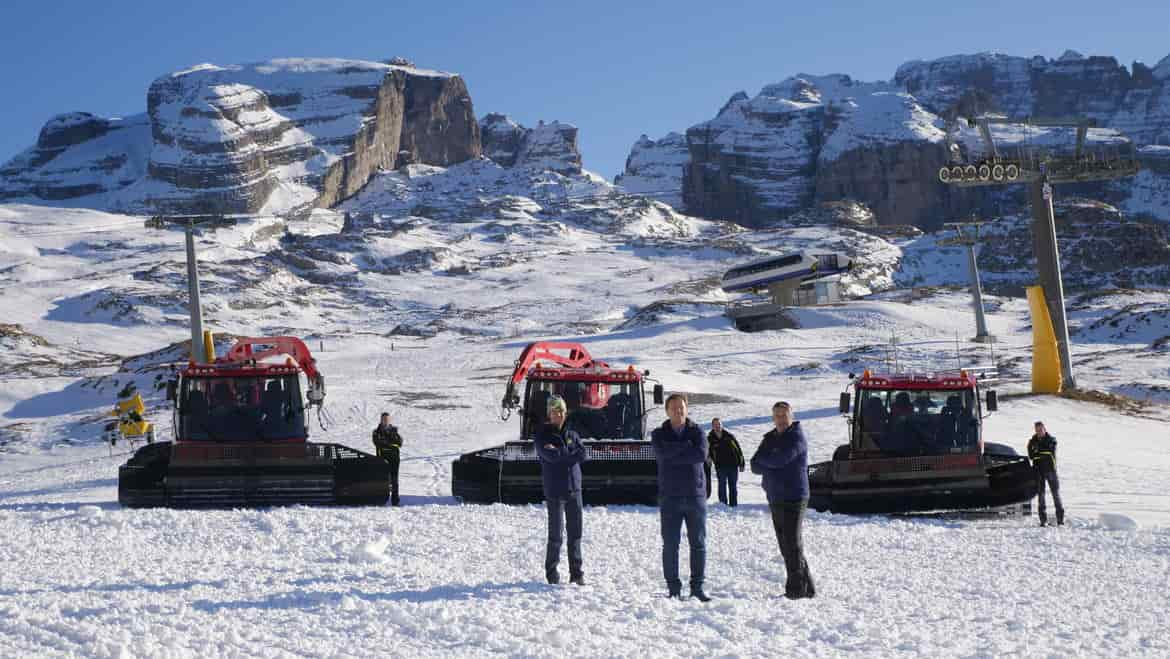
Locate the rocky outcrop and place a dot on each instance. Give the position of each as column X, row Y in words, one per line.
column 79, row 154
column 279, row 135
column 848, row 214
column 811, row 139
column 655, row 168
column 1099, row 248
column 501, row 138
column 551, row 146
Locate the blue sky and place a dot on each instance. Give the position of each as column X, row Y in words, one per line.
column 614, row 69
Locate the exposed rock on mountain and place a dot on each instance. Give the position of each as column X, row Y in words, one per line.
column 551, row 146
column 225, row 139
column 811, row 139
column 655, row 168
column 1099, row 249
column 79, row 154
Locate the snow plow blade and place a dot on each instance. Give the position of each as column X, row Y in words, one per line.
column 919, row 484
column 617, row 472
column 216, row 475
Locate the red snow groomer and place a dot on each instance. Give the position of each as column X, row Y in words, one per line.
column 241, row 438
column 916, row 444
column 606, row 407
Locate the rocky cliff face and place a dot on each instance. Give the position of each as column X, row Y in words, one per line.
column 551, row 146
column 79, row 154
column 655, row 168
column 812, row 139
column 283, row 134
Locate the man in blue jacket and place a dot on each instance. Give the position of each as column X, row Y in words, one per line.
column 681, row 449
column 783, row 461
column 561, row 454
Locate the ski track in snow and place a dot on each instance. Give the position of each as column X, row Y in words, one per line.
column 83, row 577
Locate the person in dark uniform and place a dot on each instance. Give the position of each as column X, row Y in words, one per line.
column 727, row 457
column 1042, row 452
column 389, row 444
column 782, row 459
column 680, row 449
column 561, row 454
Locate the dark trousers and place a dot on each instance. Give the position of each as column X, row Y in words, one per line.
column 787, row 519
column 393, row 460
column 674, row 511
column 1048, row 477
column 563, row 511
column 728, row 484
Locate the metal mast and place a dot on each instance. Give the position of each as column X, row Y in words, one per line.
column 1041, row 170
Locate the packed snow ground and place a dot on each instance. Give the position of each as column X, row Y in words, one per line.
column 84, row 577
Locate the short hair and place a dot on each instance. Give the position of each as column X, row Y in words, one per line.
column 782, row 404
column 1038, row 423
column 676, row 396
column 556, row 403
column 385, row 414
column 716, row 419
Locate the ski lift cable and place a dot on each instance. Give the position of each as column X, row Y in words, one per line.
column 88, row 229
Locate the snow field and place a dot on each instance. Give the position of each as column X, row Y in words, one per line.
column 431, row 580
column 82, row 577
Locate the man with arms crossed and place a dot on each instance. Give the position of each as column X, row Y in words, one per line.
column 783, row 461
column 681, row 450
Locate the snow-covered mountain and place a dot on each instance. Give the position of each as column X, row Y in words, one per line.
column 283, row 134
column 817, row 138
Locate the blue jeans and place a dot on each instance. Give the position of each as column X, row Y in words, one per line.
column 673, row 512
column 562, row 510
column 728, row 484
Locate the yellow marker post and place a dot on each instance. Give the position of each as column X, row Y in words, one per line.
column 209, row 346
column 1046, row 378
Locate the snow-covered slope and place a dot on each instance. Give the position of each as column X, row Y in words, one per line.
column 416, row 296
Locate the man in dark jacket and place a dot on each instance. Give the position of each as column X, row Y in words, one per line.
column 728, row 460
column 561, row 454
column 1042, row 452
column 783, row 461
column 388, row 443
column 681, row 450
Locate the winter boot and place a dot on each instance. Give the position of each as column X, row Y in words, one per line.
column 698, row 594
column 1060, row 518
column 1043, row 519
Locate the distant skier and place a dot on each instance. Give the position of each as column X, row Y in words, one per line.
column 681, row 451
column 1042, row 452
column 389, row 444
column 561, row 454
column 783, row 461
column 727, row 457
